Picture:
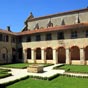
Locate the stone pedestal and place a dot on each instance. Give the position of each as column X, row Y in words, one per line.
column 35, row 68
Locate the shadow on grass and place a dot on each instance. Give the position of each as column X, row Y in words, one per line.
column 2, row 86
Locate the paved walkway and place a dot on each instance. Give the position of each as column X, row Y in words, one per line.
column 19, row 73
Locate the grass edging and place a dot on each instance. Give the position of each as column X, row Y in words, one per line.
column 23, row 78
column 68, row 75
column 5, row 75
column 44, row 78
column 12, row 82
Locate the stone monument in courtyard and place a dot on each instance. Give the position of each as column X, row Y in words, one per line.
column 35, row 68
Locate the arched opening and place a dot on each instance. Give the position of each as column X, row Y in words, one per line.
column 28, row 53
column 38, row 53
column 75, row 53
column 49, row 53
column 61, row 55
column 13, row 55
column 86, row 53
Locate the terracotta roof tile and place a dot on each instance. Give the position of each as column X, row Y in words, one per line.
column 50, row 29
column 57, row 28
column 7, row 32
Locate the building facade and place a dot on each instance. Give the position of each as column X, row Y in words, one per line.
column 56, row 38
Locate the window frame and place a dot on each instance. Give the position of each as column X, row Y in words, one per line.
column 48, row 36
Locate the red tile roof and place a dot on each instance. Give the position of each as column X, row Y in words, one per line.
column 7, row 32
column 50, row 29
column 57, row 28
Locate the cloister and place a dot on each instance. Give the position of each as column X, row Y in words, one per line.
column 58, row 55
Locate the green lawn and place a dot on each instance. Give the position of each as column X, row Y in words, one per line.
column 21, row 65
column 17, row 65
column 74, row 68
column 59, row 82
column 4, row 73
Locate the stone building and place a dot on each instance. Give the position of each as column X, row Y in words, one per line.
column 56, row 38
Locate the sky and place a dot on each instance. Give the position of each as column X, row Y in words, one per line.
column 13, row 13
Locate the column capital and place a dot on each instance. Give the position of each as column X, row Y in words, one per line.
column 81, row 47
column 54, row 48
column 67, row 48
column 43, row 48
column 33, row 49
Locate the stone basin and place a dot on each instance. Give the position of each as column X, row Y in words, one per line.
column 35, row 68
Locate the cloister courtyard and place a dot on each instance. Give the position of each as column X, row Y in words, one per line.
column 54, row 76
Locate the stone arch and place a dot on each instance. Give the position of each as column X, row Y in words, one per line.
column 49, row 53
column 61, row 55
column 38, row 53
column 75, row 53
column 28, row 53
column 4, row 55
column 86, row 52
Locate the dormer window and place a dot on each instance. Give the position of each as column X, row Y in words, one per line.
column 50, row 24
column 36, row 26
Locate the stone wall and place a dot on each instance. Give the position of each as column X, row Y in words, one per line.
column 6, row 51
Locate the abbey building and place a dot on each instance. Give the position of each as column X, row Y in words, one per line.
column 56, row 38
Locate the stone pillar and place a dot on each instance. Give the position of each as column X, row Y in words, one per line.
column 25, row 55
column 54, row 56
column 33, row 55
column 82, row 57
column 67, row 56
column 43, row 56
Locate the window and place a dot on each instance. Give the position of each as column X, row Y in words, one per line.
column 38, row 37
column 13, row 40
column 48, row 36
column 0, row 37
column 7, row 38
column 74, row 34
column 60, row 35
column 28, row 38
column 86, row 33
column 19, row 39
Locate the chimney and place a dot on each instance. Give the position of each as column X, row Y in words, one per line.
column 8, row 28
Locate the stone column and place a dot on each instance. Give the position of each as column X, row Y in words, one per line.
column 54, row 56
column 82, row 57
column 25, row 55
column 33, row 55
column 67, row 56
column 43, row 55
